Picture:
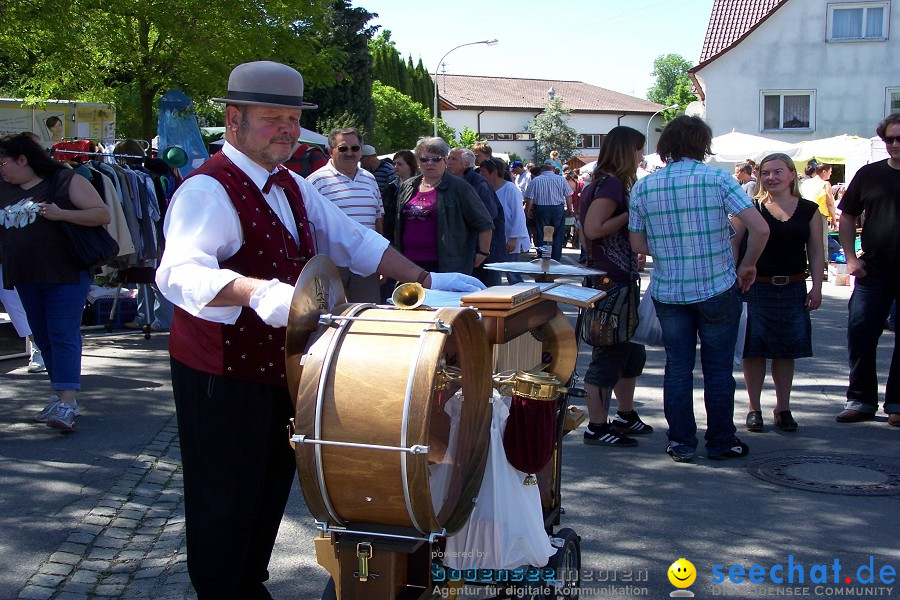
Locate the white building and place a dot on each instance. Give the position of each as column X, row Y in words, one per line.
column 797, row 70
column 500, row 108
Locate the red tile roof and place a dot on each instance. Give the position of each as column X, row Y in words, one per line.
column 472, row 91
column 730, row 22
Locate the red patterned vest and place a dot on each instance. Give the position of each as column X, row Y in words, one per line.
column 249, row 349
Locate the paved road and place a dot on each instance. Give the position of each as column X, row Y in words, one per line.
column 98, row 513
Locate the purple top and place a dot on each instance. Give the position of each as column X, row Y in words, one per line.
column 611, row 253
column 420, row 232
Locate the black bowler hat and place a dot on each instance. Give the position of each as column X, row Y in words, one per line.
column 265, row 83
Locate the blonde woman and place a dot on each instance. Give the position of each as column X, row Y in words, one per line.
column 778, row 303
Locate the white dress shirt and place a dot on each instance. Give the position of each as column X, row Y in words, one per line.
column 202, row 229
column 511, row 199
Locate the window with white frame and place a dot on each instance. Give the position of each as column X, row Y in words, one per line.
column 891, row 100
column 787, row 110
column 589, row 140
column 858, row 21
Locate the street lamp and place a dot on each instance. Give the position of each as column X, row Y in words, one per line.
column 651, row 120
column 486, row 42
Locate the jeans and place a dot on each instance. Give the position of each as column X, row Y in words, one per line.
column 554, row 216
column 152, row 304
column 869, row 307
column 514, row 278
column 54, row 312
column 716, row 322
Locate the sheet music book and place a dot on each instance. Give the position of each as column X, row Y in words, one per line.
column 577, row 295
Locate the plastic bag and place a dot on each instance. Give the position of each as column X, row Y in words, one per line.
column 741, row 337
column 177, row 127
column 506, row 528
column 649, row 331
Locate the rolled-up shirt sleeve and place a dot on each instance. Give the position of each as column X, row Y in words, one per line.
column 201, row 230
column 342, row 239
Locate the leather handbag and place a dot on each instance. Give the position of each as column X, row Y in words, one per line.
column 90, row 245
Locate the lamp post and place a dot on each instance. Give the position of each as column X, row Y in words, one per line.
column 651, row 120
column 486, row 42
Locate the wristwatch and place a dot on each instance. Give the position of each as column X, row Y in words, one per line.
column 483, row 253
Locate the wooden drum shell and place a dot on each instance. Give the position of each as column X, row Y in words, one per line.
column 353, row 389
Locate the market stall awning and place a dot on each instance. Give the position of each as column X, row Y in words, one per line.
column 833, row 150
column 737, row 146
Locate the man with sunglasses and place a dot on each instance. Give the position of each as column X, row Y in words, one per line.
column 875, row 193
column 355, row 192
column 238, row 232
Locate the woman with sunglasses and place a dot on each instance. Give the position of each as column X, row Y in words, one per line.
column 36, row 192
column 442, row 225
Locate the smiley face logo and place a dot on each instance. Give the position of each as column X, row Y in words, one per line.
column 682, row 573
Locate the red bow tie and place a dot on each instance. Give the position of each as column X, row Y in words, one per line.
column 281, row 177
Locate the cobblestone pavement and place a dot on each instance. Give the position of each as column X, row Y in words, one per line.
column 131, row 544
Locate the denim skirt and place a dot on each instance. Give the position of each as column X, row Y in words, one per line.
column 778, row 324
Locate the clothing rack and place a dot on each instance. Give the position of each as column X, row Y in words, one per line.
column 114, row 154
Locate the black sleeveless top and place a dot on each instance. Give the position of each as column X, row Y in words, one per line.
column 785, row 252
column 34, row 249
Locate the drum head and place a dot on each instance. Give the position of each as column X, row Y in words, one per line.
column 383, row 380
column 318, row 290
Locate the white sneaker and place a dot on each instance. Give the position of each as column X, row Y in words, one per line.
column 62, row 417
column 36, row 362
column 44, row 415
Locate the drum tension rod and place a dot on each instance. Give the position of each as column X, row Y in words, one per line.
column 435, row 324
column 364, row 552
column 414, row 449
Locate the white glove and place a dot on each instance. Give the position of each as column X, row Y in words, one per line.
column 455, row 282
column 272, row 302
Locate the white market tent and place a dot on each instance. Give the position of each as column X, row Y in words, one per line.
column 737, row 146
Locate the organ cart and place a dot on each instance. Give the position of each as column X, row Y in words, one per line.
column 386, row 468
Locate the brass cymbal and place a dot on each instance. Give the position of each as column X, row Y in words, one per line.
column 318, row 290
column 558, row 349
column 539, row 267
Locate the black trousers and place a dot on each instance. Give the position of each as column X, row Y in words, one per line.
column 238, row 472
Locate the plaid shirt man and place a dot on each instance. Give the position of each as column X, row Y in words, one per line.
column 684, row 210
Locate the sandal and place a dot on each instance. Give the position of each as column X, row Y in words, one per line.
column 754, row 421
column 784, row 421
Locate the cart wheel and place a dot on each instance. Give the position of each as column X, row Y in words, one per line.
column 567, row 565
column 330, row 593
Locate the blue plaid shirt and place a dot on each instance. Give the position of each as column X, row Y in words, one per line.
column 684, row 210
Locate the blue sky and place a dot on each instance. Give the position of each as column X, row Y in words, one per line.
column 609, row 43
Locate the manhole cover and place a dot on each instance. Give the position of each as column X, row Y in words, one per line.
column 844, row 474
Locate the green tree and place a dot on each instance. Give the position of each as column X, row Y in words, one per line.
column 552, row 132
column 468, row 138
column 390, row 69
column 129, row 53
column 349, row 91
column 673, row 84
column 400, row 122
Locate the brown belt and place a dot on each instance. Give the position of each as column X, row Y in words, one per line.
column 782, row 279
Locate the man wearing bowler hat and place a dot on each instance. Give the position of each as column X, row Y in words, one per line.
column 238, row 233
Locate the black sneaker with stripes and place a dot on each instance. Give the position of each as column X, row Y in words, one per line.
column 605, row 435
column 630, row 423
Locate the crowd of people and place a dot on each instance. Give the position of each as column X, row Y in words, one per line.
column 240, row 229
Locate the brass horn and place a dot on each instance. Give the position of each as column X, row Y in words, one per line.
column 408, row 296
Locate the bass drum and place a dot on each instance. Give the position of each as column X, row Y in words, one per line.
column 384, row 439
